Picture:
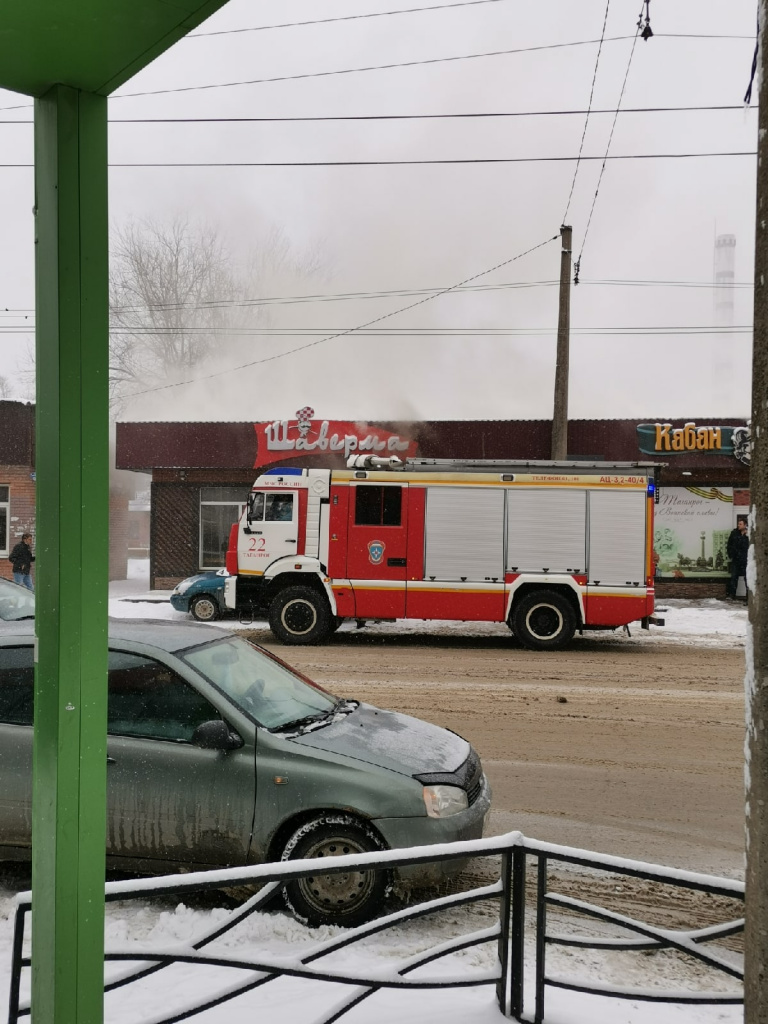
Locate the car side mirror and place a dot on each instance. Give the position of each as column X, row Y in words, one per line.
column 216, row 735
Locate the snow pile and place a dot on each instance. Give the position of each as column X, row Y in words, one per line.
column 710, row 622
column 276, row 936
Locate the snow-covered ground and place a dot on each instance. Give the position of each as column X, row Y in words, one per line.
column 139, row 925
column 710, row 622
column 295, row 1001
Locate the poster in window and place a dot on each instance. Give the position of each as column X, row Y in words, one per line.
column 691, row 531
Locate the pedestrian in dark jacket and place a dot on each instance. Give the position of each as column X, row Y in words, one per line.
column 738, row 552
column 21, row 559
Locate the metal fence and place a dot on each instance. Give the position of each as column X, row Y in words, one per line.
column 512, row 931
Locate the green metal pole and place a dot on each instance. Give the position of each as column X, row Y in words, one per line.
column 72, row 464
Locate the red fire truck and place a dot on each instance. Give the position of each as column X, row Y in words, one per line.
column 547, row 547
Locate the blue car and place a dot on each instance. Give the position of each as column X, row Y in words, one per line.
column 201, row 595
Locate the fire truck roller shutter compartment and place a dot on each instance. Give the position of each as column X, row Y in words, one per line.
column 617, row 541
column 464, row 555
column 546, row 530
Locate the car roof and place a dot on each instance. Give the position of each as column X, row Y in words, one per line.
column 167, row 636
column 10, row 583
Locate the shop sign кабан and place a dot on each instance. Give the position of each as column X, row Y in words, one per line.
column 664, row 439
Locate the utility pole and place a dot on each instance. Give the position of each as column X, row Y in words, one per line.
column 559, row 448
column 756, row 681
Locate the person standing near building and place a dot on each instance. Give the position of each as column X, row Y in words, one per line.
column 21, row 559
column 738, row 551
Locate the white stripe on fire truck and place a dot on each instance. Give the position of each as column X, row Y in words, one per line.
column 423, row 586
column 613, row 592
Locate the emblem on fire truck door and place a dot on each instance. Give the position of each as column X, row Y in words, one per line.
column 375, row 552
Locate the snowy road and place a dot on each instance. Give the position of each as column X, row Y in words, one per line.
column 632, row 745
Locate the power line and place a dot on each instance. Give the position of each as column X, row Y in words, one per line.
column 586, row 119
column 416, row 10
column 459, row 332
column 404, row 64
column 17, row 313
column 577, row 265
column 337, row 297
column 373, row 67
column 415, row 332
column 352, row 330
column 346, row 17
column 389, row 67
column 407, row 117
column 438, row 161
column 417, row 163
column 420, row 332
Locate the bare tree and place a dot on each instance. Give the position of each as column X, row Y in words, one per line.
column 178, row 299
column 172, row 290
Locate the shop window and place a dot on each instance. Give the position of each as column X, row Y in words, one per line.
column 378, row 506
column 220, row 507
column 5, row 517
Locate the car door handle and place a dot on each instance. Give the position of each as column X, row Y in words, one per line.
column 291, row 540
column 111, row 760
column 397, row 562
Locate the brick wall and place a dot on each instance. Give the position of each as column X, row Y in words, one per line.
column 174, row 540
column 683, row 588
column 22, row 510
column 22, row 520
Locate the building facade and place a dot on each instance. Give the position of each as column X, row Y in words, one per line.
column 202, row 472
column 17, row 493
column 17, row 478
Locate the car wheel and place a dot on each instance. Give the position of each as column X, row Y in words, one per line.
column 300, row 615
column 347, row 899
column 204, row 608
column 544, row 620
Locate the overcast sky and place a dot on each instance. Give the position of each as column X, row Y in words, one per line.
column 429, row 227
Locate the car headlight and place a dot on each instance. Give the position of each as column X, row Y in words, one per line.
column 443, row 801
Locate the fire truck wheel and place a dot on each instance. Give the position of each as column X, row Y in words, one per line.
column 300, row 615
column 204, row 608
column 343, row 899
column 544, row 620
column 336, row 621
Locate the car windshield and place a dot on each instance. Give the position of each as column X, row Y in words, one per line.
column 265, row 689
column 16, row 602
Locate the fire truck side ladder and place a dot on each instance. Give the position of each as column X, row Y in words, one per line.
column 373, row 462
column 504, row 465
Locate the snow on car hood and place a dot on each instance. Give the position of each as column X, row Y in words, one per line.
column 390, row 740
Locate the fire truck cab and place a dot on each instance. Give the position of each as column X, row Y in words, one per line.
column 547, row 547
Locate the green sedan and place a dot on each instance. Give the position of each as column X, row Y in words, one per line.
column 220, row 754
